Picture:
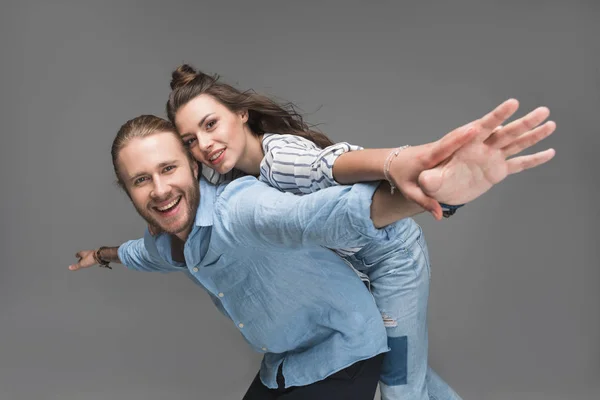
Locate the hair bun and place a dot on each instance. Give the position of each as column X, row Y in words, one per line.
column 183, row 75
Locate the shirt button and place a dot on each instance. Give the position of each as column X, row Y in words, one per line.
column 241, row 325
column 221, row 295
column 195, row 269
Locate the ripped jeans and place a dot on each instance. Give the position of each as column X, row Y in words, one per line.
column 398, row 270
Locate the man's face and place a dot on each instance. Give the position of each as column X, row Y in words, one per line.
column 161, row 182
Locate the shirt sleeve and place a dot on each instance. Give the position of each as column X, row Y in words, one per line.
column 142, row 255
column 335, row 217
column 216, row 178
column 297, row 165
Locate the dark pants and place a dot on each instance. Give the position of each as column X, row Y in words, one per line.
column 356, row 382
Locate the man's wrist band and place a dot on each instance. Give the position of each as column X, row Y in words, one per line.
column 101, row 262
column 449, row 210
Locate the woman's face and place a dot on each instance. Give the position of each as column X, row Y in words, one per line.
column 215, row 135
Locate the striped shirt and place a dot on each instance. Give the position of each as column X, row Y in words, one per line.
column 293, row 164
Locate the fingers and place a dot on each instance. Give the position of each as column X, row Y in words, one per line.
column 449, row 144
column 415, row 194
column 496, row 117
column 83, row 262
column 481, row 129
column 518, row 164
column 529, row 139
column 503, row 137
column 75, row 267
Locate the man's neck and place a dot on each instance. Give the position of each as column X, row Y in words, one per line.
column 177, row 246
column 183, row 235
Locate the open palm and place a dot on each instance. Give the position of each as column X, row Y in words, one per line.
column 484, row 161
column 467, row 162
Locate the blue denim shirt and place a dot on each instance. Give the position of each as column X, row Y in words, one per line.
column 260, row 253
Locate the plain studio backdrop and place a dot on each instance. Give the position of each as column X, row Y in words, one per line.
column 514, row 307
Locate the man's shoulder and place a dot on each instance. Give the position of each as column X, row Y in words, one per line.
column 241, row 188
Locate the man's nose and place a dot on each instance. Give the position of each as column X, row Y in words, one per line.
column 161, row 189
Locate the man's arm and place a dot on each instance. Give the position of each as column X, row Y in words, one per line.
column 256, row 214
column 89, row 258
column 140, row 255
column 387, row 208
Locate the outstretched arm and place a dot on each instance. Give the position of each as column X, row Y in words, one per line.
column 468, row 161
column 342, row 216
column 297, row 165
column 89, row 258
column 139, row 254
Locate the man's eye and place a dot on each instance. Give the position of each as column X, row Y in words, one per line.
column 169, row 168
column 139, row 181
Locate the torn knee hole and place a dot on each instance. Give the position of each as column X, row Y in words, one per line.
column 388, row 321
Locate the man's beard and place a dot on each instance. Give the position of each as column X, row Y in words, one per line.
column 192, row 197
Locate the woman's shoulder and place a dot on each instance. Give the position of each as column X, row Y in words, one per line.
column 276, row 140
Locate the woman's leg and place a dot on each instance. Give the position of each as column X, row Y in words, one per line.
column 399, row 273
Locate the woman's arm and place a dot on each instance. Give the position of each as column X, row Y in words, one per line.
column 360, row 166
column 454, row 178
column 297, row 165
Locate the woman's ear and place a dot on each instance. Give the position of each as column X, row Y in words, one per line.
column 244, row 115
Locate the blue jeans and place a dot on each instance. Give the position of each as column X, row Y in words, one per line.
column 399, row 273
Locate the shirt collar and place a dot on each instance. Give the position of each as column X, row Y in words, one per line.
column 206, row 207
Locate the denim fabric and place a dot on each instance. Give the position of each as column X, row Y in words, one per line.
column 399, row 271
column 260, row 254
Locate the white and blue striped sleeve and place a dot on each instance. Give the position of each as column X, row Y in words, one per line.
column 216, row 178
column 297, row 165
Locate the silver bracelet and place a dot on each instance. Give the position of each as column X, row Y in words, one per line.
column 388, row 162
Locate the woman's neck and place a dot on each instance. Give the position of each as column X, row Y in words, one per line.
column 253, row 154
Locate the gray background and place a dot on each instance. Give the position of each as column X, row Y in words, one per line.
column 514, row 310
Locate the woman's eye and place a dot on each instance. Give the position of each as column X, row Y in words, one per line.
column 210, row 124
column 189, row 142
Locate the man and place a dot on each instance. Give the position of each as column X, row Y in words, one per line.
column 262, row 256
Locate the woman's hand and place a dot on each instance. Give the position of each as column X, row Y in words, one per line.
column 468, row 161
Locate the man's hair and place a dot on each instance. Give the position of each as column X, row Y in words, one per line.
column 141, row 127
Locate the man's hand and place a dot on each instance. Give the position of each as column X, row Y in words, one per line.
column 86, row 260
